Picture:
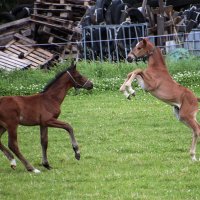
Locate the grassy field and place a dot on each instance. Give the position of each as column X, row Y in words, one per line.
column 129, row 150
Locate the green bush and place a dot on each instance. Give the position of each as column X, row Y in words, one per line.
column 106, row 76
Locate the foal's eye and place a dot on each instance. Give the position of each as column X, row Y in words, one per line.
column 139, row 48
column 79, row 76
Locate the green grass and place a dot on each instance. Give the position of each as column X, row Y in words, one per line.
column 107, row 76
column 129, row 150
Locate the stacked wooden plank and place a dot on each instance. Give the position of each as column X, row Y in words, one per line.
column 162, row 20
column 8, row 30
column 9, row 62
column 58, row 19
column 23, row 52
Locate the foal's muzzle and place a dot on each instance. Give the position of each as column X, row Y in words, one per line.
column 88, row 85
column 130, row 59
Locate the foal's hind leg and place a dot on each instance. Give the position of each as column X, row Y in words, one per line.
column 196, row 132
column 13, row 145
column 44, row 143
column 189, row 118
column 6, row 152
column 193, row 146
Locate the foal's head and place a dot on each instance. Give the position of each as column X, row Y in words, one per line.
column 143, row 50
column 78, row 80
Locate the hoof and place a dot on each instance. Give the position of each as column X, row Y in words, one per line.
column 13, row 167
column 129, row 97
column 77, row 156
column 77, row 152
column 13, row 164
column 33, row 170
column 133, row 94
column 36, row 171
column 194, row 159
column 47, row 166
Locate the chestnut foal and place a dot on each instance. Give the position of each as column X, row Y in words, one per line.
column 157, row 80
column 40, row 109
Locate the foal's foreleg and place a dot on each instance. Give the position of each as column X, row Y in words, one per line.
column 126, row 87
column 123, row 88
column 58, row 124
column 44, row 144
column 6, row 152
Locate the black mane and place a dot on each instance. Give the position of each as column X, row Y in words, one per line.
column 51, row 82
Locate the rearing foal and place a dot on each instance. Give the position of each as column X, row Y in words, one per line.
column 40, row 109
column 157, row 80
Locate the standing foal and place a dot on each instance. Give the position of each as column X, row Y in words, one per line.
column 157, row 80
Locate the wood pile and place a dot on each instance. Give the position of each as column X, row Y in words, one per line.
column 8, row 30
column 54, row 29
column 17, row 50
column 22, row 52
column 10, row 62
column 162, row 20
column 57, row 21
column 54, row 23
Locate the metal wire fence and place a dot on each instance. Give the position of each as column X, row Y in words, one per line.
column 113, row 42
column 110, row 42
column 170, row 42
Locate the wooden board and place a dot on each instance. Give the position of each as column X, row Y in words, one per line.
column 73, row 12
column 79, row 2
column 14, row 25
column 25, row 49
column 53, row 22
column 57, row 20
column 10, row 62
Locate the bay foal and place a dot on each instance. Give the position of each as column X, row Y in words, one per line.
column 157, row 80
column 40, row 109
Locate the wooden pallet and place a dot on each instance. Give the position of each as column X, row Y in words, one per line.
column 78, row 2
column 9, row 62
column 52, row 7
column 7, row 30
column 57, row 21
column 23, row 47
column 67, row 6
column 53, row 22
column 64, row 11
column 60, row 36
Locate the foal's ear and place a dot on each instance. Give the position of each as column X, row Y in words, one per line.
column 145, row 40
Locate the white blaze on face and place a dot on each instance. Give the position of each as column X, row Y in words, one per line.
column 137, row 44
